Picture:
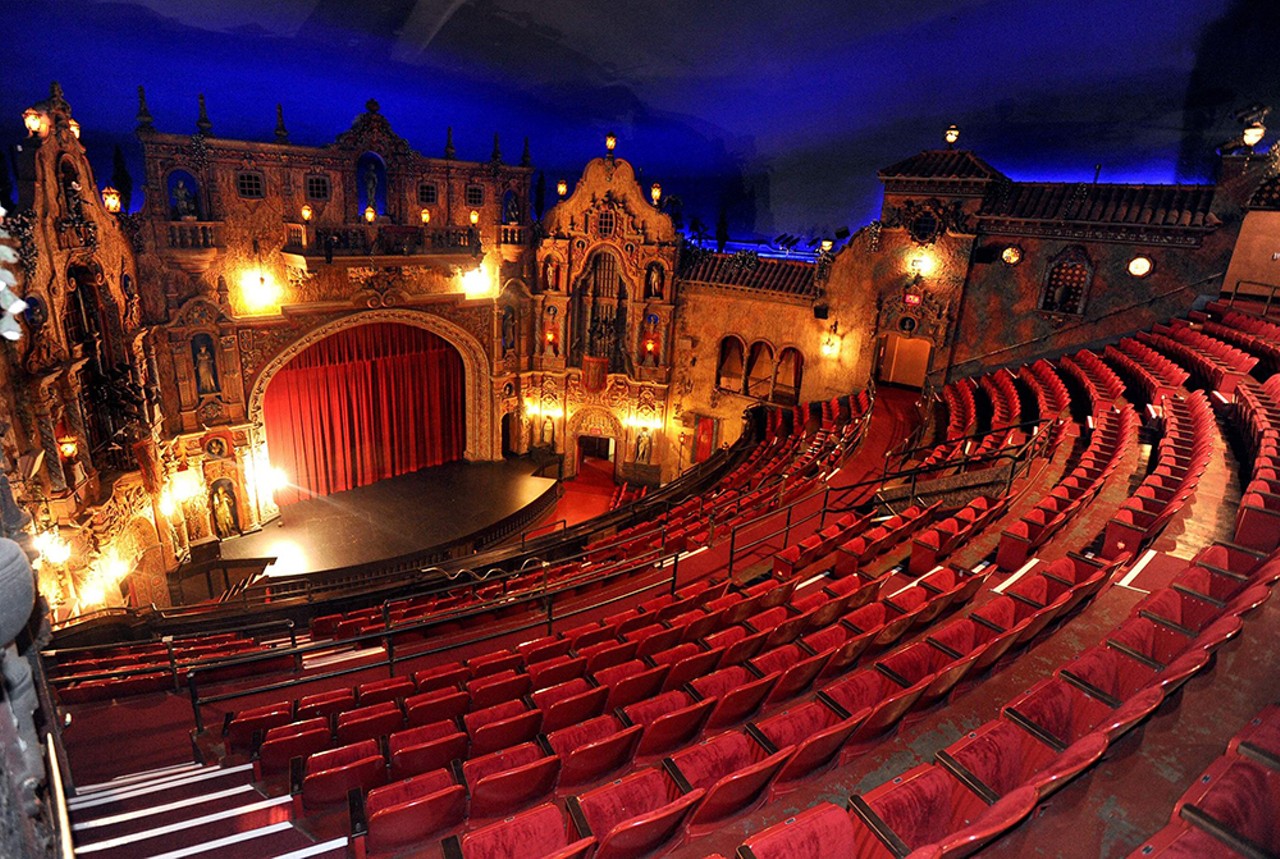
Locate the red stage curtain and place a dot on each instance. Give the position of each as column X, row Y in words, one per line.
column 362, row 405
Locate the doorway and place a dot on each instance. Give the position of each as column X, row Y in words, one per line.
column 904, row 360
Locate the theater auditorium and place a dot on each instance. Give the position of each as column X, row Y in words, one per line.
column 761, row 446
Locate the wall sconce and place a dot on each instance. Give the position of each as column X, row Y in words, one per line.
column 562, row 188
column 67, row 447
column 307, row 212
column 75, row 128
column 370, row 215
column 1253, row 133
column 1141, row 266
column 826, row 246
column 951, row 135
column 259, row 290
column 111, row 200
column 914, row 294
column 831, row 343
column 610, row 142
column 475, row 217
column 1011, row 255
column 476, row 284
column 655, row 193
column 186, row 485
column 36, row 122
column 425, row 215
column 922, row 264
column 650, row 346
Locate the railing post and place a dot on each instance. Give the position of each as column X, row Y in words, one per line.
column 675, row 574
column 173, row 662
column 195, row 701
column 389, row 641
column 733, row 543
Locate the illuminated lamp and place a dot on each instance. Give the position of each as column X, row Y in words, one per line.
column 186, row 485
column 922, row 264
column 67, row 447
column 912, row 299
column 1253, row 133
column 111, row 199
column 168, row 506
column 425, row 215
column 307, row 211
column 650, row 345
column 1011, row 255
column 610, row 142
column 562, row 188
column 259, row 290
column 475, row 284
column 10, row 302
column 1141, row 266
column 475, row 217
column 52, row 547
column 370, row 215
column 75, row 128
column 952, row 134
column 551, row 336
column 36, row 122
column 826, row 246
column 655, row 193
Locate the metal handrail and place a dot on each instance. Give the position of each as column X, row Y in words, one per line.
column 58, row 797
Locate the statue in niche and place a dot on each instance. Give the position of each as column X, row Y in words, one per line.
column 71, row 193
column 653, row 282
column 508, row 329
column 184, row 202
column 548, row 431
column 206, row 365
column 550, row 275
column 510, row 209
column 550, row 333
column 222, row 503
column 371, row 186
column 644, row 446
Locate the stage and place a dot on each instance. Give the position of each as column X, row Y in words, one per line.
column 392, row 517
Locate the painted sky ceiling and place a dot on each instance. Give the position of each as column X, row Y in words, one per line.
column 779, row 114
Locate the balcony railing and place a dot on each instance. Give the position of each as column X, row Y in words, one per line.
column 376, row 240
column 513, row 235
column 194, row 235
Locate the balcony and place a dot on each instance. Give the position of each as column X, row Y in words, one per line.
column 311, row 247
column 190, row 245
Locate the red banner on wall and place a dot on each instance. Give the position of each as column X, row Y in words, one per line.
column 704, row 439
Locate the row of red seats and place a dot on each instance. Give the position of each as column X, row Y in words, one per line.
column 1006, row 411
column 1257, row 408
column 853, row 555
column 1180, row 457
column 962, row 417
column 1253, row 333
column 1233, row 807
column 1205, row 364
column 940, row 539
column 1155, row 374
column 1192, row 333
column 1051, row 395
column 992, row 778
column 796, row 559
column 627, row 494
column 1100, row 382
column 1114, row 432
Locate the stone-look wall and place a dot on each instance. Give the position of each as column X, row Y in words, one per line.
column 1255, row 260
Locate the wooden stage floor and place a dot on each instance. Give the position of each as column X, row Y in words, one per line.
column 392, row 517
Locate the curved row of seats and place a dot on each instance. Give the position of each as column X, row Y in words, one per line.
column 994, row 776
column 1232, row 808
column 1257, row 412
column 1155, row 374
column 1218, row 365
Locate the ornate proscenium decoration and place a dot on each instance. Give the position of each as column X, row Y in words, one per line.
column 655, row 194
column 562, row 188
column 951, row 135
column 111, row 200
column 74, row 126
column 1011, row 255
column 1141, row 266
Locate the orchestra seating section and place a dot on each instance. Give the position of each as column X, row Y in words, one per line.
column 633, row 731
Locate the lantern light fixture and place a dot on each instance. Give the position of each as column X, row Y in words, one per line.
column 1011, row 255
column 307, row 212
column 1141, row 266
column 425, row 215
column 111, row 200
column 370, row 215
column 1253, row 133
column 475, row 217
column 655, row 193
column 562, row 188
column 67, row 447
column 827, row 245
column 74, row 125
column 610, row 142
column 951, row 135
column 36, row 122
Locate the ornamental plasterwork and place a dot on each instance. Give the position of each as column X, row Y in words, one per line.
column 932, row 315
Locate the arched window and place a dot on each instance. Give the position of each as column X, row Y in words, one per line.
column 786, row 385
column 760, row 369
column 1066, row 286
column 599, row 313
column 731, row 364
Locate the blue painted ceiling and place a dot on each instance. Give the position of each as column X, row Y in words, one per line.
column 778, row 114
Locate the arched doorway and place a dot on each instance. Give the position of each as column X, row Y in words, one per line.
column 365, row 403
column 904, row 360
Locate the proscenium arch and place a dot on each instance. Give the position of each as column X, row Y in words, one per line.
column 481, row 443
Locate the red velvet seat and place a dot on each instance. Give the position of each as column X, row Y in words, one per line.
column 593, row 748
column 541, row 830
column 739, row 692
column 425, row 748
column 504, row 685
column 926, row 805
column 542, row 649
column 569, row 703
column 382, row 691
column 286, row 742
column 687, row 661
column 241, row 729
column 1001, row 757
column 607, row 654
column 330, row 774
column 842, row 644
column 367, row 723
column 1060, row 714
column 744, row 648
column 1261, row 733
column 557, row 669
column 820, row 832
column 869, row 688
column 1179, row 611
column 797, row 669
column 501, row 725
column 815, row 731
column 494, row 663
column 401, row 814
column 734, row 770
column 630, row 682
column 325, row 704
column 924, row 661
column 428, row 707
column 1181, row 840
column 505, row 781
column 1110, row 674
column 441, row 677
column 670, row 720
column 634, row 815
column 1236, row 798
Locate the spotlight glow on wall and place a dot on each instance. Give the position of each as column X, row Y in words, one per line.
column 259, row 290
column 922, row 263
column 477, row 284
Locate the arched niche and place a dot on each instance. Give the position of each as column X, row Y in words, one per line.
column 184, row 197
column 371, row 184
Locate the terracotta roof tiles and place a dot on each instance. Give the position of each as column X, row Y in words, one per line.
column 1103, row 203
column 792, row 277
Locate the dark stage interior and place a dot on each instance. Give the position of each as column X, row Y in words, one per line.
column 392, row 517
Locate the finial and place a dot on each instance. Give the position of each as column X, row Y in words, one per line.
column 56, row 99
column 282, row 133
column 145, row 123
column 372, row 105
column 525, row 161
column 202, row 121
column 496, row 156
column 449, row 151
